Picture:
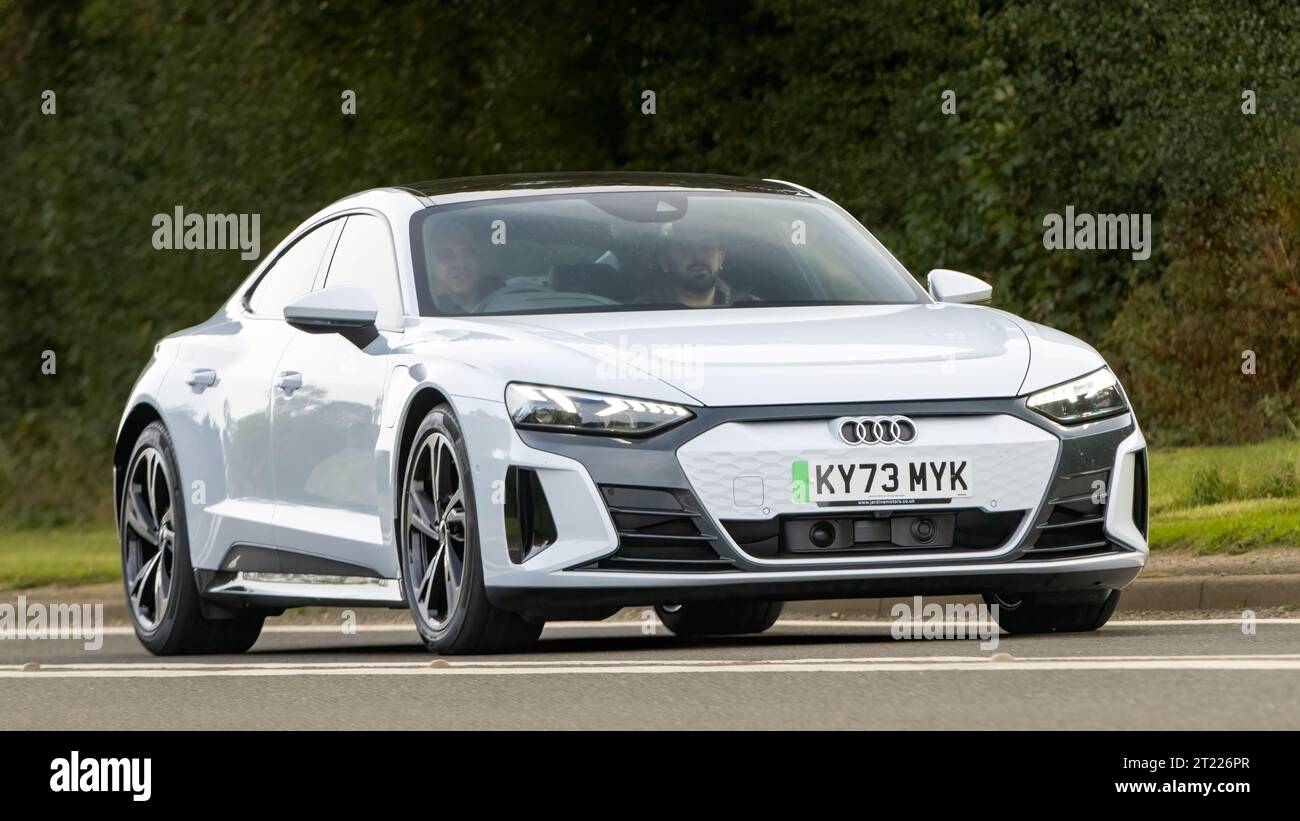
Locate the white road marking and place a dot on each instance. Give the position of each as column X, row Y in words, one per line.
column 635, row 626
column 888, row 623
column 1284, row 662
column 1231, row 664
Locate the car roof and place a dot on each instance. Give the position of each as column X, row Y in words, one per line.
column 505, row 183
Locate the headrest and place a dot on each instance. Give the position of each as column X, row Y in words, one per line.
column 589, row 278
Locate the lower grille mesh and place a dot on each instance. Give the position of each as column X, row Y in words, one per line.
column 1073, row 521
column 659, row 529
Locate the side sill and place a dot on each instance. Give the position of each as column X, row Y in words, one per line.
column 266, row 590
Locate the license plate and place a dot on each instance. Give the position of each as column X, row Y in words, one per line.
column 867, row 481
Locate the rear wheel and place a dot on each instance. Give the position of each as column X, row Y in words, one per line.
column 719, row 618
column 442, row 572
column 1059, row 613
column 161, row 593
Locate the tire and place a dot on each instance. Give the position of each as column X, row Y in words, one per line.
column 451, row 613
column 1066, row 613
column 720, row 618
column 161, row 593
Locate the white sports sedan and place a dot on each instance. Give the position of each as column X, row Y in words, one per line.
column 501, row 400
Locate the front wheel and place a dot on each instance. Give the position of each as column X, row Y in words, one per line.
column 719, row 618
column 1061, row 613
column 442, row 573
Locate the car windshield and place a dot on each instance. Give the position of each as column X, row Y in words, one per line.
column 648, row 250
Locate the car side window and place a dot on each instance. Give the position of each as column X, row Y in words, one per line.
column 292, row 274
column 364, row 258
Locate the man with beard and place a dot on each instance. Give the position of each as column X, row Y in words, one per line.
column 691, row 261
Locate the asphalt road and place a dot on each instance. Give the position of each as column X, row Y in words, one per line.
column 802, row 674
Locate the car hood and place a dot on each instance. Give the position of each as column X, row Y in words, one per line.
column 782, row 355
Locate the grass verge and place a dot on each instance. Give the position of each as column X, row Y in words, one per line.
column 1226, row 499
column 58, row 555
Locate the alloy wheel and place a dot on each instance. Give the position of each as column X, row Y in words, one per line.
column 434, row 524
column 149, row 537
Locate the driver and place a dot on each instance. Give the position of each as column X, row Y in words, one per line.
column 454, row 263
column 691, row 261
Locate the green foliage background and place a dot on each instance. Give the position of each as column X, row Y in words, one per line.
column 234, row 107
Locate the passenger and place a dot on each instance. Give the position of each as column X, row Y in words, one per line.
column 691, row 263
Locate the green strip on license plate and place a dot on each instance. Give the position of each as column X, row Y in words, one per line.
column 799, row 480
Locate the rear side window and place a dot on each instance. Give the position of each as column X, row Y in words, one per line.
column 364, row 258
column 292, row 274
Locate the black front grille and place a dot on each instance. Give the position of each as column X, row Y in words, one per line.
column 1072, row 523
column 659, row 529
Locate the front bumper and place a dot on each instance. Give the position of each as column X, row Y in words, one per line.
column 697, row 512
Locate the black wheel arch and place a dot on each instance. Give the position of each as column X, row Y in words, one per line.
column 417, row 407
column 140, row 417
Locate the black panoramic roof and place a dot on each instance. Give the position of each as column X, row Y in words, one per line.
column 596, row 179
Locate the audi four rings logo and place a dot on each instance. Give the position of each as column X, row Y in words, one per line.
column 876, row 430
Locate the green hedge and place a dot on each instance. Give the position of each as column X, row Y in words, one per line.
column 1109, row 107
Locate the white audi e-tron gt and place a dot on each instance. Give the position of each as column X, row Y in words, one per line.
column 502, row 400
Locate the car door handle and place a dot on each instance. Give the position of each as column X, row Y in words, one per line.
column 289, row 381
column 201, row 378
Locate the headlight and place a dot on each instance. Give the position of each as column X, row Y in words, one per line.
column 1088, row 397
column 539, row 406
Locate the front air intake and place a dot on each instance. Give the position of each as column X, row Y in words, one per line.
column 1140, row 491
column 660, row 529
column 530, row 528
column 1075, row 518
